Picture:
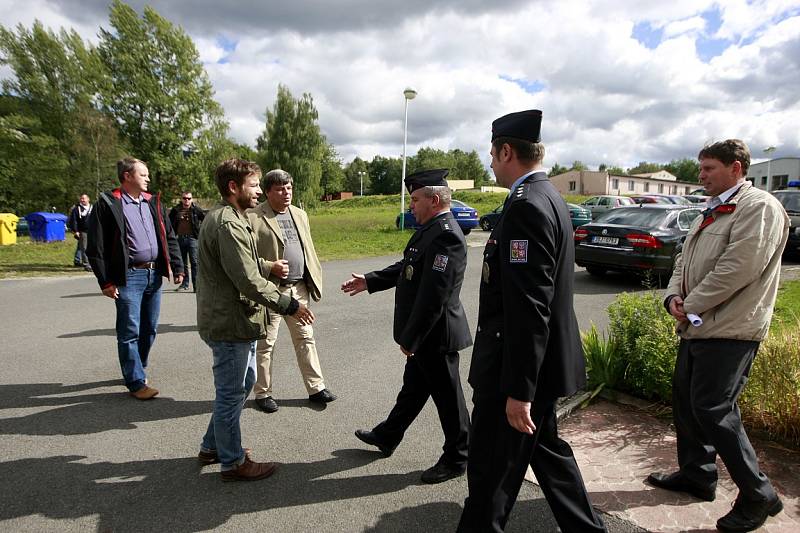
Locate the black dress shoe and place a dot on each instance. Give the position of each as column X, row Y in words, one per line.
column 677, row 482
column 323, row 396
column 441, row 472
column 747, row 516
column 267, row 404
column 372, row 439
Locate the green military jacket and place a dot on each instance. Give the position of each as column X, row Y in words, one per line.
column 231, row 289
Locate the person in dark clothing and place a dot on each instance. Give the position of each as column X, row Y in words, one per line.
column 131, row 246
column 78, row 223
column 527, row 350
column 186, row 218
column 429, row 325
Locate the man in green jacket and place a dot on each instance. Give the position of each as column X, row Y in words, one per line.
column 232, row 291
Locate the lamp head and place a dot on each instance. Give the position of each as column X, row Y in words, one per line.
column 409, row 93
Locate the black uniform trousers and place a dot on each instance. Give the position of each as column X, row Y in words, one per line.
column 431, row 374
column 498, row 458
column 709, row 377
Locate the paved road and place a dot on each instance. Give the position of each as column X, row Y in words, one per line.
column 77, row 454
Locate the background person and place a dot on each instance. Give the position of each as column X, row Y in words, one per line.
column 186, row 218
column 727, row 274
column 131, row 246
column 283, row 240
column 528, row 349
column 232, row 292
column 429, row 325
column 78, row 223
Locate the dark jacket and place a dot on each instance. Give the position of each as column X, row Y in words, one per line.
column 107, row 245
column 197, row 215
column 76, row 222
column 528, row 345
column 428, row 315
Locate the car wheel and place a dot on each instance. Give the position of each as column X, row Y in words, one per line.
column 485, row 226
column 596, row 271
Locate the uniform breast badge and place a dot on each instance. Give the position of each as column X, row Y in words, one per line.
column 485, row 272
column 409, row 272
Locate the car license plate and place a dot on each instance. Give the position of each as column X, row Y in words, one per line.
column 597, row 239
column 463, row 214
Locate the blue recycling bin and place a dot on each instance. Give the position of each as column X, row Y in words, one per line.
column 46, row 227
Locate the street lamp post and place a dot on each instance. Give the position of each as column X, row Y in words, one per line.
column 769, row 151
column 409, row 94
column 361, row 177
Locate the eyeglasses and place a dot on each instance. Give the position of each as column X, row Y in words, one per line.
column 187, row 198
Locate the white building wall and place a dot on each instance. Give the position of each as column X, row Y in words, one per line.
column 775, row 174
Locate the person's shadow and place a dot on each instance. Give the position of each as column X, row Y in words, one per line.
column 73, row 413
column 175, row 494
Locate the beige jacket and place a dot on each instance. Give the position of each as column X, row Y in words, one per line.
column 270, row 245
column 728, row 272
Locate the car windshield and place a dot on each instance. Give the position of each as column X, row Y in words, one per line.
column 791, row 202
column 642, row 217
column 456, row 203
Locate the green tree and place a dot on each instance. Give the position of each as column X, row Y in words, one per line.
column 645, row 168
column 386, row 174
column 616, row 171
column 427, row 159
column 332, row 179
column 578, row 165
column 468, row 166
column 356, row 173
column 292, row 141
column 159, row 93
column 684, row 169
column 557, row 169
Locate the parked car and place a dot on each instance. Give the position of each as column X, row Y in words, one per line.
column 600, row 204
column 640, row 239
column 673, row 199
column 790, row 199
column 649, row 199
column 577, row 214
column 466, row 216
column 696, row 198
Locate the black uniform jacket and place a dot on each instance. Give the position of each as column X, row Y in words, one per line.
column 107, row 246
column 528, row 344
column 428, row 315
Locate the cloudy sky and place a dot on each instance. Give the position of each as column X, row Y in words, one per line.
column 618, row 81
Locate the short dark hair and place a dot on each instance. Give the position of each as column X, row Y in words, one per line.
column 526, row 151
column 727, row 152
column 235, row 170
column 127, row 164
column 276, row 177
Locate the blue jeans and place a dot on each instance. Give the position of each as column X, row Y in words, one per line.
column 138, row 306
column 188, row 245
column 234, row 374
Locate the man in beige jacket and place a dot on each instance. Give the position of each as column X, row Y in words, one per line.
column 283, row 241
column 722, row 294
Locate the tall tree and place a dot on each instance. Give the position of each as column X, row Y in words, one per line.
column 356, row 175
column 386, row 174
column 684, row 169
column 160, row 94
column 645, row 168
column 332, row 179
column 557, row 169
column 293, row 142
column 614, row 170
column 468, row 166
column 578, row 165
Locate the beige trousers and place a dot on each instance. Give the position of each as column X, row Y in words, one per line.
column 305, row 349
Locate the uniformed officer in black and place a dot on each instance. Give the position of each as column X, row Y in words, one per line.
column 527, row 349
column 429, row 325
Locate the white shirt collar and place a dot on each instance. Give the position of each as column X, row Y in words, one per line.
column 723, row 197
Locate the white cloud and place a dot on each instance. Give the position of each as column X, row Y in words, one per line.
column 606, row 97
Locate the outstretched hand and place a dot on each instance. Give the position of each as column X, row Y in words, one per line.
column 355, row 284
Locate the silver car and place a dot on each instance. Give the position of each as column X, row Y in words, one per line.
column 600, row 204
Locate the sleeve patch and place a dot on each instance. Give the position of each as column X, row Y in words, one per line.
column 519, row 251
column 440, row 262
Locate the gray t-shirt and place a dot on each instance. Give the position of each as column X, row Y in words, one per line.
column 293, row 248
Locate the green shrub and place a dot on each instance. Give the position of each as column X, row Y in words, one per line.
column 603, row 362
column 647, row 342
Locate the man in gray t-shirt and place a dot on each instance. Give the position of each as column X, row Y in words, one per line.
column 284, row 244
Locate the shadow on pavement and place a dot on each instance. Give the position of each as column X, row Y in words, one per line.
column 111, row 332
column 85, row 413
column 610, row 283
column 175, row 494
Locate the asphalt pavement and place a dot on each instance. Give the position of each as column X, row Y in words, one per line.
column 78, row 454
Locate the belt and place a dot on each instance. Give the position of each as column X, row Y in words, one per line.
column 147, row 265
column 290, row 283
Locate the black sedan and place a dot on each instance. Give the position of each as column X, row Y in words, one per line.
column 641, row 239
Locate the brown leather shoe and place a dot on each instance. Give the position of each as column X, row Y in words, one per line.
column 145, row 393
column 210, row 458
column 249, row 471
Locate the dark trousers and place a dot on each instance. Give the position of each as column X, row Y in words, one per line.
column 498, row 458
column 709, row 377
column 188, row 245
column 431, row 375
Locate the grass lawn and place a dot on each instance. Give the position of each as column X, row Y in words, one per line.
column 30, row 258
column 787, row 306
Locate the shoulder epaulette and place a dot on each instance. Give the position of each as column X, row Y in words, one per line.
column 445, row 225
column 521, row 192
